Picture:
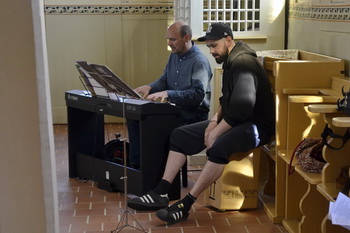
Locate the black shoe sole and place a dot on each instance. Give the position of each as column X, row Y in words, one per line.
column 137, row 206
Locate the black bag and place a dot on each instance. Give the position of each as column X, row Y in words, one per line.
column 343, row 105
column 328, row 132
column 114, row 150
column 346, row 188
column 342, row 177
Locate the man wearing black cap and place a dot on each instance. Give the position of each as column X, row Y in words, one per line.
column 244, row 120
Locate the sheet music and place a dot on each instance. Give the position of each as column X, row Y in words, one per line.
column 97, row 77
column 94, row 87
column 339, row 211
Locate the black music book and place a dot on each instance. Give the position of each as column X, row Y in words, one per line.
column 100, row 81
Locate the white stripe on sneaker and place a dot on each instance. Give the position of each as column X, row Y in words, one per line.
column 144, row 199
column 177, row 215
column 150, row 198
column 147, row 199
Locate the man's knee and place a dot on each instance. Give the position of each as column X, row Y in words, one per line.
column 176, row 134
column 176, row 141
column 218, row 155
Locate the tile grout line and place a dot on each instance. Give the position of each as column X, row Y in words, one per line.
column 258, row 220
column 279, row 228
column 228, row 222
column 246, row 228
column 193, row 209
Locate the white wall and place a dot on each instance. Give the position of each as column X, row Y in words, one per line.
column 28, row 196
column 321, row 26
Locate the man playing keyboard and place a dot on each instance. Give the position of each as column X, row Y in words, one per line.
column 185, row 82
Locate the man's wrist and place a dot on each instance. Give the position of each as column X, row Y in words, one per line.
column 213, row 121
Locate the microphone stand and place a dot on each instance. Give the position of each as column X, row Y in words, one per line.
column 124, row 221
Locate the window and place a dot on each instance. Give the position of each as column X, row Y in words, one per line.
column 242, row 15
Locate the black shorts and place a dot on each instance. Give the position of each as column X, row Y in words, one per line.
column 189, row 140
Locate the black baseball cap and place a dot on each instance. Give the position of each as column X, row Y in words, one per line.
column 217, row 31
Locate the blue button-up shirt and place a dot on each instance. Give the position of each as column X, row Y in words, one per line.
column 186, row 78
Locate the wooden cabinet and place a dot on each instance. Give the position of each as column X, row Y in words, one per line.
column 301, row 200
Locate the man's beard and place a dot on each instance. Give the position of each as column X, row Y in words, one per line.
column 222, row 58
column 173, row 50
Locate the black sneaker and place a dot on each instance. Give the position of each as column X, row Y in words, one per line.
column 174, row 213
column 149, row 201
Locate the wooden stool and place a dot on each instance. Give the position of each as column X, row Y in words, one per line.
column 238, row 186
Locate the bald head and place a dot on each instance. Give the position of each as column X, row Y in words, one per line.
column 179, row 36
column 182, row 27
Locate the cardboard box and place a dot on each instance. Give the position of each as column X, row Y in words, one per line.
column 237, row 188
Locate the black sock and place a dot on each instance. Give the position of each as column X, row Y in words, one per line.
column 162, row 188
column 188, row 201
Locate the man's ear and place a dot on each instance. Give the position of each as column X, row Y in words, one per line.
column 228, row 41
column 187, row 37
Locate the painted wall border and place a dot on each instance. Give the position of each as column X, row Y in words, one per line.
column 320, row 13
column 159, row 9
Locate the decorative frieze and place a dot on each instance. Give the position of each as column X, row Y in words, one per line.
column 320, row 13
column 166, row 9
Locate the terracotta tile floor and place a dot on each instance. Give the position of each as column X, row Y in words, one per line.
column 85, row 208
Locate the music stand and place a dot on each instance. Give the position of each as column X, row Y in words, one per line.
column 124, row 221
column 109, row 81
